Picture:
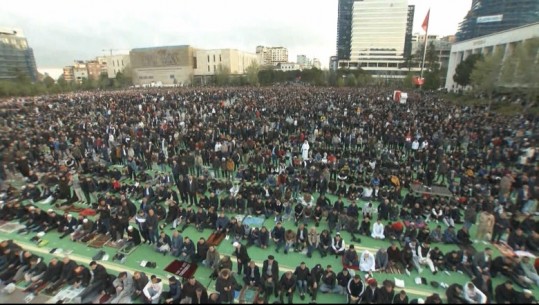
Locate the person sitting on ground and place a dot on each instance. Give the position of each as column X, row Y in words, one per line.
column 350, row 257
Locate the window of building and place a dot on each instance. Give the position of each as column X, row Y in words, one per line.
column 208, row 58
column 171, row 76
column 214, row 68
column 213, row 57
column 194, row 62
column 122, row 62
column 208, row 68
column 220, row 58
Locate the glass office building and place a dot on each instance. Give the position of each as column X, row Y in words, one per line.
column 344, row 28
column 492, row 16
column 16, row 56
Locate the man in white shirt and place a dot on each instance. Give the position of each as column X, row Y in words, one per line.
column 152, row 291
column 415, row 145
column 473, row 295
column 378, row 230
column 305, row 150
column 367, row 262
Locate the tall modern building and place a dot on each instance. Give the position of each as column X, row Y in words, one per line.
column 344, row 28
column 15, row 55
column 378, row 37
column 492, row 16
column 409, row 30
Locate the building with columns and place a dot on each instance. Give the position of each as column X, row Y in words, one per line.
column 506, row 40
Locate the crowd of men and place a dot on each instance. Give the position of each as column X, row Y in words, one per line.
column 282, row 154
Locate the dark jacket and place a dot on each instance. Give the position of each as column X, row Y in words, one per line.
column 241, row 254
column 274, row 269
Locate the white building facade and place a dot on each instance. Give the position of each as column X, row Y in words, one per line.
column 209, row 61
column 116, row 63
column 271, row 55
column 505, row 40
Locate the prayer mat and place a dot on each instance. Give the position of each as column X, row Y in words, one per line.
column 88, row 237
column 505, row 250
column 99, row 241
column 215, row 239
column 248, row 295
column 183, row 269
column 116, row 244
column 127, row 249
column 352, row 267
column 11, row 227
column 432, row 191
column 253, row 221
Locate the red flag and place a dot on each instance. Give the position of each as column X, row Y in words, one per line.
column 425, row 24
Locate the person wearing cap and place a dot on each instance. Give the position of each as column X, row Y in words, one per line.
column 243, row 259
column 86, row 226
column 69, row 227
column 270, row 276
column 133, row 236
column 378, row 230
column 370, row 296
column 526, row 297
column 174, row 293
column 153, row 290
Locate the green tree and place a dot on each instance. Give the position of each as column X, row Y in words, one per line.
column 252, row 74
column 351, row 80
column 526, row 60
column 464, row 69
column 222, row 75
column 48, row 81
column 432, row 79
column 485, row 76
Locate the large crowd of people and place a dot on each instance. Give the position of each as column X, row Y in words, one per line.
column 154, row 161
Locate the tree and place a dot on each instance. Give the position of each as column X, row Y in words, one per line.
column 485, row 76
column 222, row 75
column 464, row 69
column 432, row 79
column 252, row 74
column 351, row 80
column 48, row 81
column 526, row 61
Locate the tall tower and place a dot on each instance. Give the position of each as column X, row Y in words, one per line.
column 344, row 28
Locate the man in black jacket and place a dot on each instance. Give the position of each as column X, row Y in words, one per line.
column 355, row 289
column 270, row 274
column 302, row 276
column 242, row 256
column 139, row 282
column 97, row 285
column 252, row 275
column 287, row 287
column 505, row 294
column 51, row 275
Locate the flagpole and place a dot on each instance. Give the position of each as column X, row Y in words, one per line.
column 425, row 47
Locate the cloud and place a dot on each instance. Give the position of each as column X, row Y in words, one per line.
column 61, row 31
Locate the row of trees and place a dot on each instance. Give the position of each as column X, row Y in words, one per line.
column 495, row 73
column 22, row 85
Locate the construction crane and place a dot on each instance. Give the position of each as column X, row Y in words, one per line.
column 110, row 50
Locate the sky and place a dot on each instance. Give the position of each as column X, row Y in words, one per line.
column 60, row 31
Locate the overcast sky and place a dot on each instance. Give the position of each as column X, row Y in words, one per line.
column 61, row 31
